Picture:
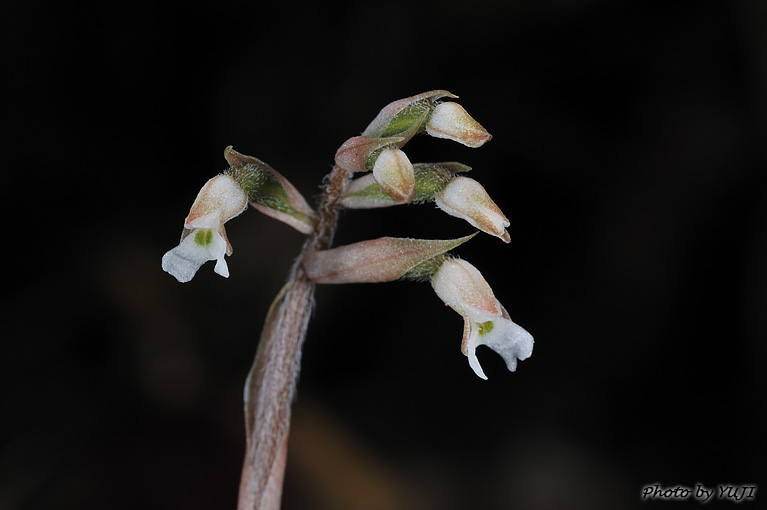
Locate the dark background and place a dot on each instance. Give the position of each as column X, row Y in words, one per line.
column 629, row 151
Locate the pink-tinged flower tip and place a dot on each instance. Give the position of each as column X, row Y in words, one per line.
column 451, row 121
column 394, row 174
column 220, row 196
column 204, row 237
column 463, row 288
column 465, row 198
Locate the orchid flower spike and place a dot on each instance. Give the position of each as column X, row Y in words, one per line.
column 486, row 322
column 204, row 237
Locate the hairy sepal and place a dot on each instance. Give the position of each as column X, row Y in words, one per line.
column 270, row 192
column 379, row 260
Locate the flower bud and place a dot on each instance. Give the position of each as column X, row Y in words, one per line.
column 465, row 198
column 394, row 174
column 450, row 120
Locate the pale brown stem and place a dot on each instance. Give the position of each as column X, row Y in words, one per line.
column 271, row 382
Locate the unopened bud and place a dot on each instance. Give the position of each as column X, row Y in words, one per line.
column 394, row 174
column 465, row 198
column 451, row 121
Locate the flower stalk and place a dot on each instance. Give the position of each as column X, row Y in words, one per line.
column 271, row 383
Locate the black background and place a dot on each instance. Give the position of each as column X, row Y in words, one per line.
column 629, row 152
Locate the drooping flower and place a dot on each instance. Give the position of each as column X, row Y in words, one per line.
column 465, row 198
column 204, row 237
column 463, row 288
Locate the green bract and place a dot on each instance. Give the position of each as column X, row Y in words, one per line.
column 270, row 192
column 424, row 270
column 415, row 114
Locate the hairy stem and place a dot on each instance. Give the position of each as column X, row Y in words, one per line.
column 271, row 383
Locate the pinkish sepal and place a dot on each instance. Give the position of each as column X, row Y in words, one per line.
column 354, row 153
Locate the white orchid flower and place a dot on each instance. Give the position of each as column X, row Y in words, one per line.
column 204, row 237
column 486, row 322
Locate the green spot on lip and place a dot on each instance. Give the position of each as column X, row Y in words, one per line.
column 485, row 327
column 204, row 237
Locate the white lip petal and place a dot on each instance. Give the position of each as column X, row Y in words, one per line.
column 508, row 339
column 474, row 364
column 184, row 260
column 179, row 266
column 221, row 267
